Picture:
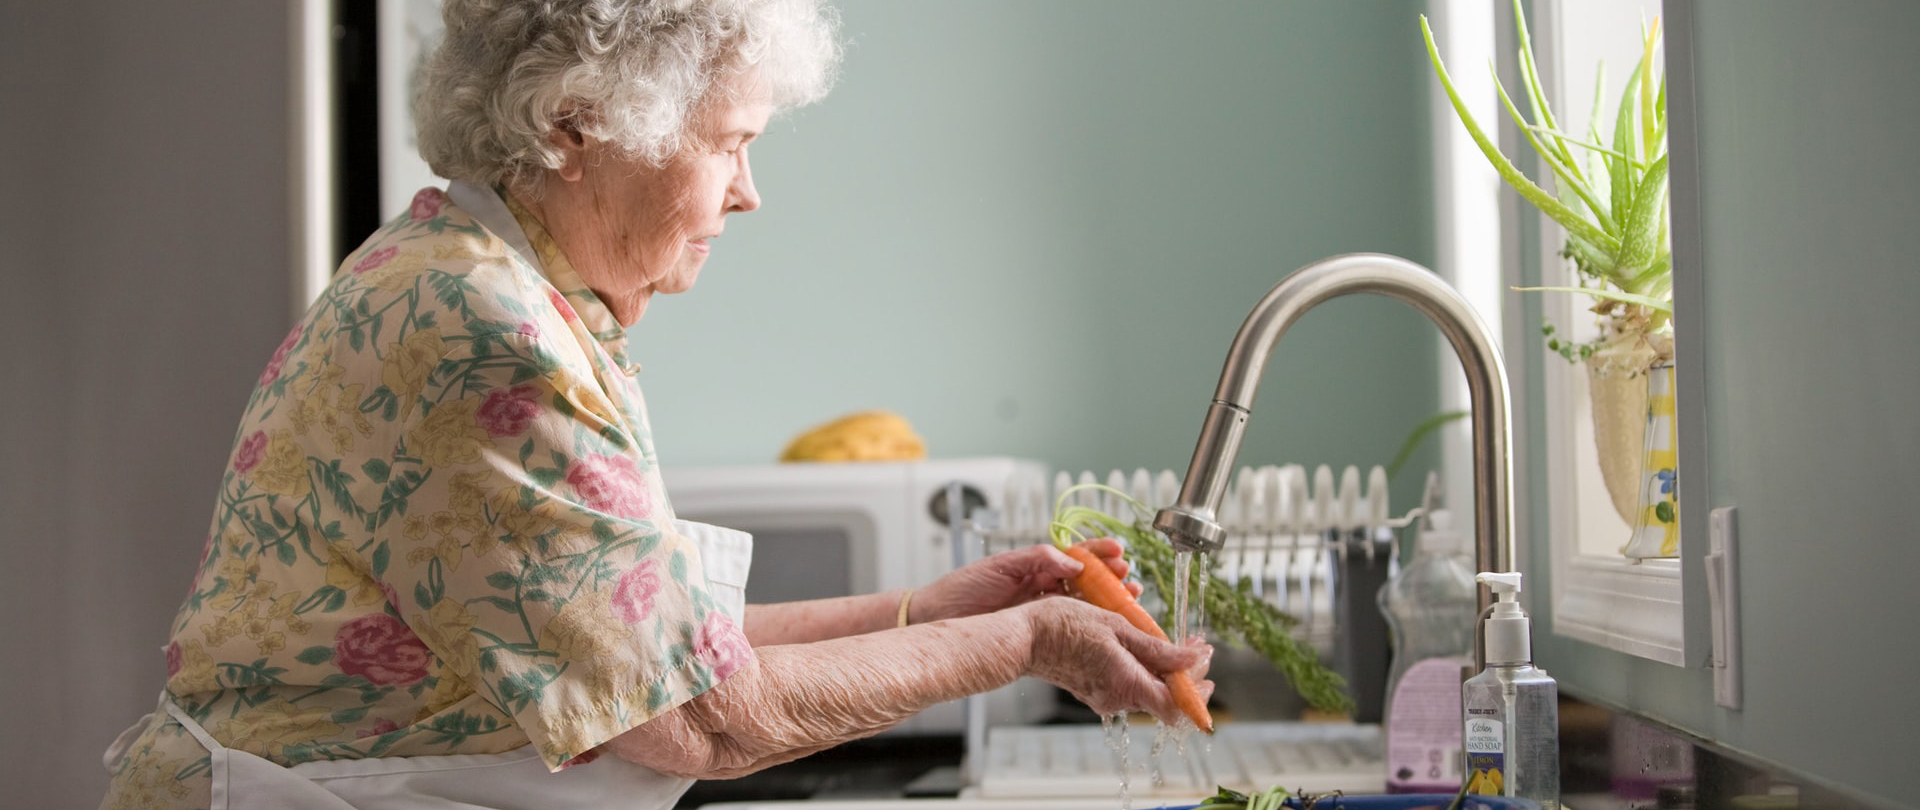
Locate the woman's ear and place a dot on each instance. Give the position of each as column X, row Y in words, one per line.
column 570, row 143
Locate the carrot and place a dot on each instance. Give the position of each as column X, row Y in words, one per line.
column 1101, row 588
column 1232, row 612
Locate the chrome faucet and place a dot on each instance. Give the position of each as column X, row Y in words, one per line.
column 1191, row 522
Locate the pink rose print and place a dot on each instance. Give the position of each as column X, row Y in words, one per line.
column 507, row 411
column 382, row 726
column 381, row 649
column 633, row 595
column 721, row 646
column 252, row 449
column 272, row 371
column 426, row 204
column 560, row 303
column 173, row 659
column 611, row 484
column 372, row 261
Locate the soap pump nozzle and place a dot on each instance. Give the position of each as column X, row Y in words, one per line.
column 1509, row 633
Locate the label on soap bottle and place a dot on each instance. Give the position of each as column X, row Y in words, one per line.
column 1486, row 753
column 1423, row 728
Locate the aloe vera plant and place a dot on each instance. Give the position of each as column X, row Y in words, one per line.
column 1614, row 209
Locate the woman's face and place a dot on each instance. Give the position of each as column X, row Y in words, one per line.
column 632, row 229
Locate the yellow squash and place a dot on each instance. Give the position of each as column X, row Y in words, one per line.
column 863, row 436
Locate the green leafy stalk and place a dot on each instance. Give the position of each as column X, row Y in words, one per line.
column 1567, row 217
column 1419, row 434
column 1638, row 247
column 1272, row 798
column 1651, row 120
column 1232, row 610
column 1602, row 177
column 1611, row 295
column 1566, row 168
column 1623, row 174
column 1615, row 211
column 1537, row 97
column 1565, row 138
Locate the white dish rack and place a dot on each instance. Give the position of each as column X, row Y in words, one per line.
column 1286, row 532
column 1064, row 762
column 1284, row 527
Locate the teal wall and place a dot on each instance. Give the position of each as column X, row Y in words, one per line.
column 1033, row 227
column 1804, row 192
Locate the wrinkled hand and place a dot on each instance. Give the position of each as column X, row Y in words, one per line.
column 1010, row 578
column 1108, row 664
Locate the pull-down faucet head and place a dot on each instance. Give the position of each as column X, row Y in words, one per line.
column 1191, row 523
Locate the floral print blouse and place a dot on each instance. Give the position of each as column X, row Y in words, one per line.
column 442, row 530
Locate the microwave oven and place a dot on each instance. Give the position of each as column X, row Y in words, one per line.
column 844, row 528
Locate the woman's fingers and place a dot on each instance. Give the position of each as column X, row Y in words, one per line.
column 1109, row 664
column 1161, row 656
column 1051, row 561
column 1110, row 551
column 1013, row 577
column 1199, row 671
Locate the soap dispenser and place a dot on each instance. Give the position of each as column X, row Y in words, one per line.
column 1511, row 708
column 1430, row 606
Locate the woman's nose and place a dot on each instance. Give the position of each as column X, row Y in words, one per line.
column 741, row 195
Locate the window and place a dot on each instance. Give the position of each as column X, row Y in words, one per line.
column 1597, row 595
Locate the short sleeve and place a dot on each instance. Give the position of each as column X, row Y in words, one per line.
column 531, row 548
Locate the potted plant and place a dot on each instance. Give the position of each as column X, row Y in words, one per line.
column 1613, row 204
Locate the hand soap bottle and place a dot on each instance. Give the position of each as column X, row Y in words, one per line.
column 1429, row 605
column 1512, row 709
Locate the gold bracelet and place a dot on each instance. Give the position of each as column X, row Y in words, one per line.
column 906, row 599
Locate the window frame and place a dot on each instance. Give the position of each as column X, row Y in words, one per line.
column 1636, row 608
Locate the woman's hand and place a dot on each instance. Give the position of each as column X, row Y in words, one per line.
column 1009, row 578
column 793, row 699
column 1108, row 664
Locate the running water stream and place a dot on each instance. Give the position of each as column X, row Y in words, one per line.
column 1189, row 616
column 1182, row 574
column 1116, row 728
column 1185, row 626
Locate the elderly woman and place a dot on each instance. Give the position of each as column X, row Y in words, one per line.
column 442, row 570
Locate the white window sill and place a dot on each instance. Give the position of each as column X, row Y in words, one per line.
column 1615, row 603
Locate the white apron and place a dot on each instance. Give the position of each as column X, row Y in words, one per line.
column 515, row 780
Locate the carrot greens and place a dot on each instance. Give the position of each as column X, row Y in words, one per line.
column 1272, row 798
column 1231, row 609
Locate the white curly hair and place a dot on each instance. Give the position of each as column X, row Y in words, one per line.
column 628, row 72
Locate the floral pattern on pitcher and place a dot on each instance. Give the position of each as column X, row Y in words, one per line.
column 1656, row 531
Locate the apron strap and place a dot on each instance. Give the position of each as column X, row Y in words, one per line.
column 180, row 716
